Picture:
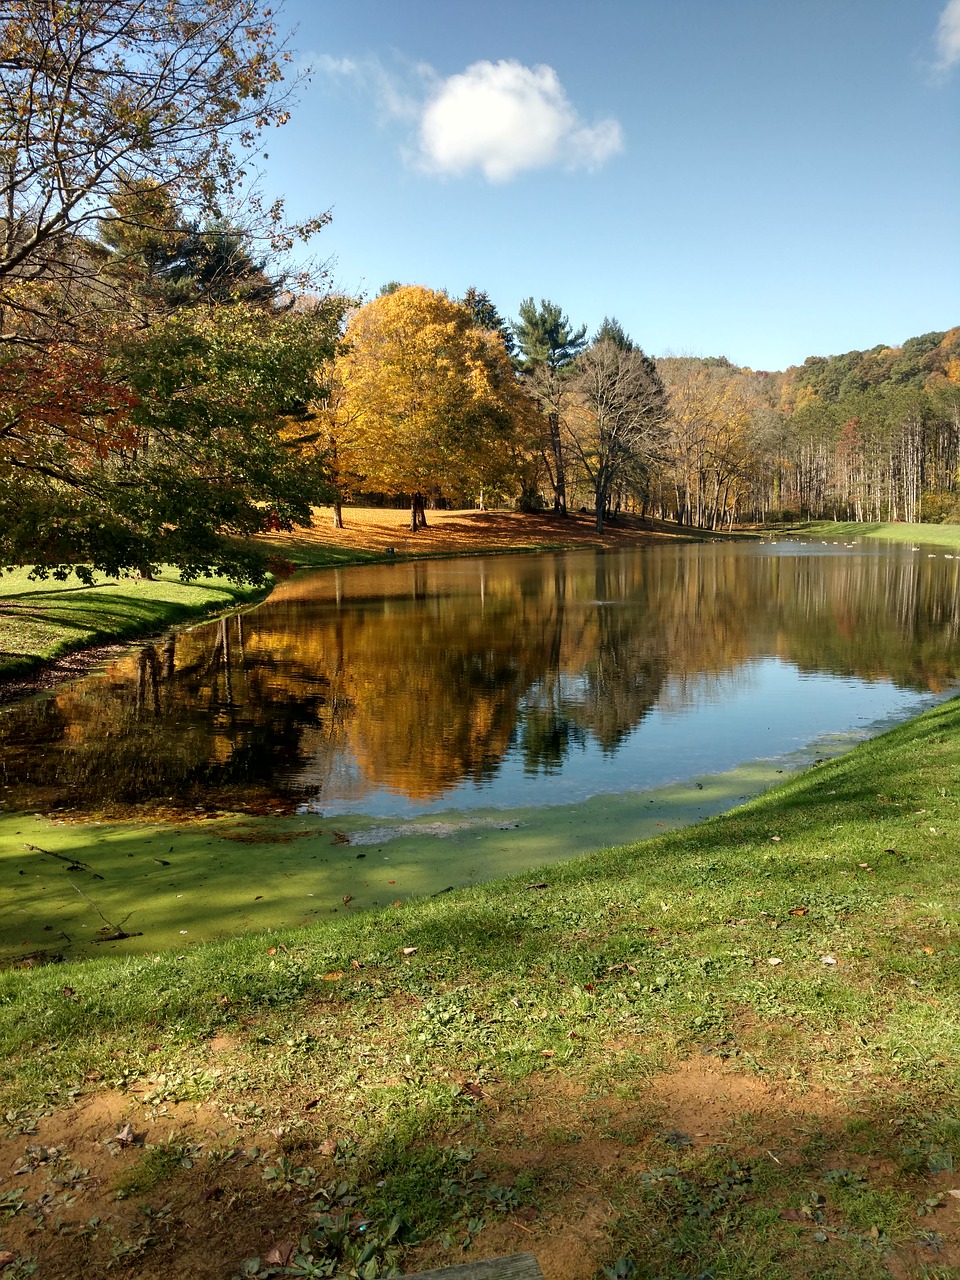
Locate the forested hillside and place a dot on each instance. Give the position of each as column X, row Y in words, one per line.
column 867, row 435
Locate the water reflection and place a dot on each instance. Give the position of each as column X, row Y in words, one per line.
column 407, row 685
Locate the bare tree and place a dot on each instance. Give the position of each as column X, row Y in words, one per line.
column 616, row 425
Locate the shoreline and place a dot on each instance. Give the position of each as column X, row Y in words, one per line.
column 372, row 536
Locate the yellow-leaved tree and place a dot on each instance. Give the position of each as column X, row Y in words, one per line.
column 427, row 400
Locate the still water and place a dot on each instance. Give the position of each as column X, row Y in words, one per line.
column 511, row 681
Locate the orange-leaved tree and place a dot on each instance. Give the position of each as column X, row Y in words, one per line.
column 431, row 399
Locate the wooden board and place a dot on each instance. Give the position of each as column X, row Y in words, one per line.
column 519, row 1266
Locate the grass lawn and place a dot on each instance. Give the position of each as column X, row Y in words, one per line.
column 41, row 621
column 731, row 1051
column 937, row 535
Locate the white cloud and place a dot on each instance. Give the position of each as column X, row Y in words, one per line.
column 948, row 36
column 503, row 118
column 500, row 118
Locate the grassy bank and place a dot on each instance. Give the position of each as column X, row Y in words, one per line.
column 42, row 621
column 730, row 1051
column 935, row 535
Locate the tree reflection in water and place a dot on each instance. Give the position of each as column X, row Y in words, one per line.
column 418, row 678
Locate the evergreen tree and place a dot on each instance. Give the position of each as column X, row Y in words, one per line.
column 548, row 346
column 544, row 336
column 613, row 331
column 486, row 316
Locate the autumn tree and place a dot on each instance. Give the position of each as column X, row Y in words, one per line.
column 548, row 346
column 433, row 398
column 615, row 425
column 185, row 440
column 98, row 98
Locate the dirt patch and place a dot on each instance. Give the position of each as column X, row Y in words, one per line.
column 710, row 1103
column 112, row 1184
column 70, row 667
column 577, row 1156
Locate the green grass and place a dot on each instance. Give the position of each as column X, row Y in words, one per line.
column 43, row 620
column 563, row 1007
column 937, row 535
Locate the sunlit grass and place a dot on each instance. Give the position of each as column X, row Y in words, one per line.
column 940, row 535
column 42, row 620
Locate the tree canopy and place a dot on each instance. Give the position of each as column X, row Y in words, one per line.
column 431, row 397
column 103, row 97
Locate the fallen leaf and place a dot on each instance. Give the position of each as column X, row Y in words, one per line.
column 355, row 964
column 774, row 837
column 828, row 960
column 541, row 884
column 347, row 897
column 547, row 1053
column 125, row 1136
column 328, row 1147
column 258, row 898
column 280, row 1254
column 928, row 951
column 799, row 911
column 271, row 951
column 395, row 904
column 6, row 1257
column 333, row 977
column 409, row 951
column 792, row 1215
column 212, row 1193
column 774, row 960
column 955, row 1193
column 473, row 1090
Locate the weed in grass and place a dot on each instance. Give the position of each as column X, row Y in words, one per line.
column 287, row 1176
column 21, row 1120
column 21, row 1268
column 342, row 1242
column 12, row 1201
column 157, row 1165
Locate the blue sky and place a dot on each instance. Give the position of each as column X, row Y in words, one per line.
column 763, row 179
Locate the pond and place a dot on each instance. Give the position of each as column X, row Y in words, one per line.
column 550, row 703
column 510, row 681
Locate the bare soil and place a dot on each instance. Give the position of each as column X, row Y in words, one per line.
column 588, row 1152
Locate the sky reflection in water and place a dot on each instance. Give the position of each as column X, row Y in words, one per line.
column 532, row 680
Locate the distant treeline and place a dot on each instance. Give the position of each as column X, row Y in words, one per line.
column 868, row 435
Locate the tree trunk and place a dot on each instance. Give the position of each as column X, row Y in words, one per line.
column 560, row 483
column 337, row 514
column 418, row 515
